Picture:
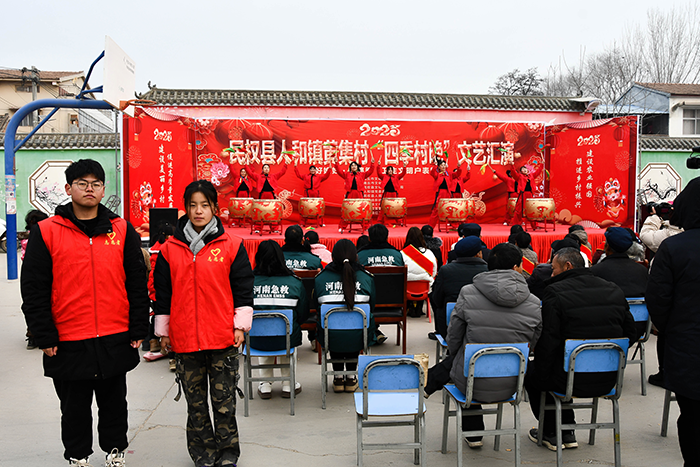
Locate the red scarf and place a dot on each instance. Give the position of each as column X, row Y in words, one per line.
column 528, row 265
column 419, row 258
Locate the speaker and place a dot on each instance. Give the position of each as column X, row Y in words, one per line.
column 157, row 217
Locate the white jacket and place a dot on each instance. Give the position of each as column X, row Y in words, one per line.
column 655, row 230
column 417, row 273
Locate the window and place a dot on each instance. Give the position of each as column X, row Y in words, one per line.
column 691, row 121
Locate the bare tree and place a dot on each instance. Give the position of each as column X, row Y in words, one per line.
column 517, row 83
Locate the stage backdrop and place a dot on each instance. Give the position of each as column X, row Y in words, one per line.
column 592, row 168
column 164, row 152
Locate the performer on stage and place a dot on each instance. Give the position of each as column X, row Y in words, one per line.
column 389, row 182
column 459, row 181
column 267, row 183
column 525, row 178
column 511, row 186
column 244, row 185
column 354, row 182
column 442, row 187
column 312, row 182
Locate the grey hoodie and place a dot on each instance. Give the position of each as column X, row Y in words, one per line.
column 497, row 308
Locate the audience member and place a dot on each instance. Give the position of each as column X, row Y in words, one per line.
column 32, row 218
column 543, row 271
column 469, row 230
column 317, row 248
column 379, row 252
column 434, row 244
column 276, row 287
column 297, row 254
column 452, row 277
column 618, row 268
column 421, row 265
column 362, row 241
column 523, row 241
column 673, row 299
column 576, row 305
column 344, row 280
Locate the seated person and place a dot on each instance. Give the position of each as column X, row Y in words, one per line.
column 496, row 308
column 542, row 272
column 576, row 305
column 452, row 277
column 421, row 264
column 379, row 252
column 317, row 248
column 297, row 254
column 434, row 244
column 467, row 230
column 277, row 288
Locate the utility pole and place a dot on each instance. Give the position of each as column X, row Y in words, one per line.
column 35, row 82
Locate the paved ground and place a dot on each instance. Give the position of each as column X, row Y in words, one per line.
column 29, row 416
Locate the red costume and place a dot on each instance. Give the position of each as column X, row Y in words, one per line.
column 389, row 194
column 271, row 178
column 312, row 183
column 512, row 192
column 442, row 188
column 243, row 186
column 458, row 181
column 523, row 185
column 358, row 178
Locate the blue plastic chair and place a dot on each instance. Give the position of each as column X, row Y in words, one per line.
column 269, row 323
column 441, row 344
column 638, row 308
column 588, row 356
column 337, row 317
column 487, row 361
column 392, row 386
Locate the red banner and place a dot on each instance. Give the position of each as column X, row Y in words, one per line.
column 592, row 168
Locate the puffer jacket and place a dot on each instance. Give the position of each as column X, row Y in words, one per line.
column 496, row 308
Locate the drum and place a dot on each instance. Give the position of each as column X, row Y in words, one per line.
column 510, row 207
column 239, row 208
column 356, row 210
column 539, row 209
column 394, row 208
column 266, row 210
column 455, row 209
column 312, row 207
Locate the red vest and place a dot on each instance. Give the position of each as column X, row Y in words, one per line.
column 359, row 177
column 88, row 293
column 201, row 306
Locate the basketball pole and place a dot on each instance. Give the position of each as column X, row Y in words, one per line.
column 12, row 146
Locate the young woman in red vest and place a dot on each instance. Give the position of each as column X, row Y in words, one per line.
column 511, row 187
column 204, row 301
column 389, row 181
column 312, row 181
column 244, row 185
column 458, row 181
column 421, row 263
column 442, row 186
column 525, row 179
column 354, row 182
column 266, row 183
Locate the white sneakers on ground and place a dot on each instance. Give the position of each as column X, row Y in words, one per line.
column 265, row 390
column 115, row 459
column 286, row 393
column 80, row 462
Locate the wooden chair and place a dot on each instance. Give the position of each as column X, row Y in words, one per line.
column 390, row 303
column 308, row 277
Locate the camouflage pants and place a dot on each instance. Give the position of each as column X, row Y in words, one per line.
column 211, row 445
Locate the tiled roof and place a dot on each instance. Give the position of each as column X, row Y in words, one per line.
column 674, row 88
column 15, row 74
column 667, row 143
column 206, row 97
column 69, row 141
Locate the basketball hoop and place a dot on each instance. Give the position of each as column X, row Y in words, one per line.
column 136, row 103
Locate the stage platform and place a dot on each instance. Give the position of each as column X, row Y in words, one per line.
column 491, row 234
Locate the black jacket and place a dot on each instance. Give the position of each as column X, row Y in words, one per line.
column 629, row 275
column 448, row 283
column 434, row 244
column 579, row 305
column 673, row 295
column 102, row 357
column 538, row 279
column 485, row 252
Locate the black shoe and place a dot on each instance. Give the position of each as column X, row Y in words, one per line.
column 568, row 439
column 432, row 336
column 31, row 344
column 549, row 441
column 657, row 379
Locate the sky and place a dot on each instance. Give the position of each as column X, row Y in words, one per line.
column 436, row 46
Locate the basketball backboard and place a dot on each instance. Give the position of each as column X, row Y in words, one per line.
column 119, row 77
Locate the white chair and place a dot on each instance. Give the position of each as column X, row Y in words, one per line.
column 392, row 389
column 337, row 317
column 588, row 356
column 638, row 308
column 487, row 361
column 269, row 323
column 441, row 344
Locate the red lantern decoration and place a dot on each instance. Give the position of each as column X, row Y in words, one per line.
column 619, row 135
column 553, row 141
column 492, row 133
column 258, row 131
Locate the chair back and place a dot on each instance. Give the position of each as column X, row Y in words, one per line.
column 390, row 373
column 270, row 323
column 308, row 277
column 595, row 356
column 638, row 308
column 495, row 361
column 448, row 311
column 417, row 290
column 338, row 317
column 390, row 283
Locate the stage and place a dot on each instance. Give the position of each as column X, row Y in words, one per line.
column 491, row 234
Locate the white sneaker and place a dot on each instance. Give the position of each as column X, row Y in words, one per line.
column 265, row 390
column 115, row 459
column 286, row 393
column 80, row 462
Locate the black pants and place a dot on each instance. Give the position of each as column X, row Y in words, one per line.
column 534, row 390
column 76, row 415
column 347, row 365
column 689, row 430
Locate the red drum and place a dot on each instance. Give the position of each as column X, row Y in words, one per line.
column 510, row 207
column 540, row 210
column 239, row 210
column 266, row 212
column 312, row 208
column 356, row 211
column 455, row 209
column 394, row 209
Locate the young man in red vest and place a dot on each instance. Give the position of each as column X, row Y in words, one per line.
column 86, row 303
